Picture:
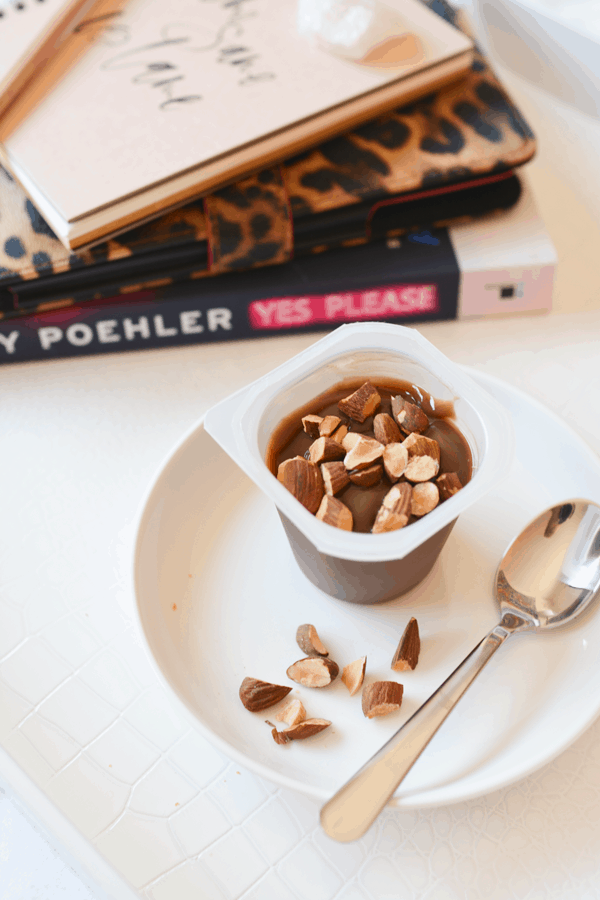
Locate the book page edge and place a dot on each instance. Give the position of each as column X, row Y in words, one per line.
column 99, row 225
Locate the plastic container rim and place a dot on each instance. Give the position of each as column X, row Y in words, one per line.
column 234, row 424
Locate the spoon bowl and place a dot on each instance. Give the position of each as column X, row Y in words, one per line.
column 548, row 576
column 551, row 571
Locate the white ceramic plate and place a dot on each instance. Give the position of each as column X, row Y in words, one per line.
column 219, row 597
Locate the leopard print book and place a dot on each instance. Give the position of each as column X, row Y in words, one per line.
column 465, row 131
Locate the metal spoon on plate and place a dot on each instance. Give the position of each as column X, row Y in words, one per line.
column 547, row 577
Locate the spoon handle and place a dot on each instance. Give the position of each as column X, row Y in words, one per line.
column 354, row 808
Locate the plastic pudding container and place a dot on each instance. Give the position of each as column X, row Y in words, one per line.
column 358, row 567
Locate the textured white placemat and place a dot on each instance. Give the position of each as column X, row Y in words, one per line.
column 33, row 866
column 83, row 714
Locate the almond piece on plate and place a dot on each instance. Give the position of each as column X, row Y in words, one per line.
column 304, row 480
column 395, row 460
column 448, row 484
column 314, row 671
column 325, row 449
column 292, row 713
column 333, row 512
column 335, row 477
column 309, row 641
column 408, row 416
column 328, row 425
column 407, row 653
column 365, row 452
column 362, row 403
column 299, row 732
column 366, row 477
column 394, row 511
column 353, row 674
column 311, row 425
column 381, row 698
column 386, row 430
column 257, row 695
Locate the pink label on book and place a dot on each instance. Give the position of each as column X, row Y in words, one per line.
column 349, row 306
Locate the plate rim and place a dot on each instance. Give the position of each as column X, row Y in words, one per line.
column 418, row 800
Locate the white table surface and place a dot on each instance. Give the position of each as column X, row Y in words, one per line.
column 81, row 710
column 138, row 804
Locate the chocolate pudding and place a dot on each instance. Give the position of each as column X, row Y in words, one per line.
column 364, row 500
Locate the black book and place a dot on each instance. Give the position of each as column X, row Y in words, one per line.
column 410, row 280
column 427, row 275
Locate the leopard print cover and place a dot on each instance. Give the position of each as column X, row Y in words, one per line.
column 29, row 248
column 467, row 129
column 262, row 234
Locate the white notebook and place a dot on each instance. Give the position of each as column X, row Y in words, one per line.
column 30, row 33
column 172, row 100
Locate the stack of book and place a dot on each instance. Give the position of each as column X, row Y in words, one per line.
column 257, row 167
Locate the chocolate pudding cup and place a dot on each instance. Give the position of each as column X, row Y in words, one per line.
column 364, row 567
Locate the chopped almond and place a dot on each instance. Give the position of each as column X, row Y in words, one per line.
column 448, row 484
column 311, row 425
column 366, row 477
column 421, row 468
column 309, row 641
column 304, row 480
column 395, row 460
column 292, row 713
column 349, row 440
column 325, row 449
column 333, row 512
column 386, row 430
column 335, row 477
column 418, row 445
column 314, row 671
column 407, row 653
column 257, row 695
column 328, row 425
column 353, row 674
column 381, row 698
column 299, row 732
column 424, row 498
column 408, row 416
column 362, row 403
column 365, row 452
column 394, row 512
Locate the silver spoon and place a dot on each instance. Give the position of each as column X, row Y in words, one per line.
column 548, row 576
